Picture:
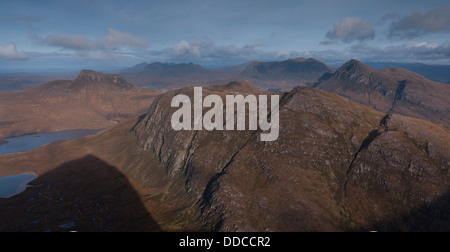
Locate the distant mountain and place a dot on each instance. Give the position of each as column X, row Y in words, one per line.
column 285, row 74
column 274, row 76
column 294, row 69
column 170, row 75
column 92, row 101
column 337, row 165
column 135, row 69
column 392, row 90
column 438, row 73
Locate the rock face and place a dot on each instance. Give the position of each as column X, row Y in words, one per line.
column 392, row 90
column 293, row 71
column 93, row 100
column 337, row 166
column 90, row 79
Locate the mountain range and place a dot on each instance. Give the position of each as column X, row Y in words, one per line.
column 92, row 101
column 338, row 166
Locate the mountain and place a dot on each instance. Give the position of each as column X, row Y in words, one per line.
column 392, row 90
column 289, row 73
column 438, row 73
column 170, row 75
column 337, row 166
column 92, row 101
column 135, row 69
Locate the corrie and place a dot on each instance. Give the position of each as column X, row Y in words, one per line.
column 214, row 118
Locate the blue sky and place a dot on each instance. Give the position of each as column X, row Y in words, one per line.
column 102, row 34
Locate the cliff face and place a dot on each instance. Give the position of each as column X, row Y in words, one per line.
column 392, row 90
column 337, row 165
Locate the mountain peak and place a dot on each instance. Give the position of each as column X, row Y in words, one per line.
column 352, row 68
column 90, row 78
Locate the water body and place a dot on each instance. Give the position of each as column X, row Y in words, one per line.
column 149, row 87
column 32, row 141
column 13, row 185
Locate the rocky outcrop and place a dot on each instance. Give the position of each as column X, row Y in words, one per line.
column 90, row 79
column 392, row 90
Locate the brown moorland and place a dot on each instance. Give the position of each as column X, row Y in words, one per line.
column 92, row 101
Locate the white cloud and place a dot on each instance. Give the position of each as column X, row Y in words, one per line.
column 9, row 52
column 350, row 29
column 184, row 47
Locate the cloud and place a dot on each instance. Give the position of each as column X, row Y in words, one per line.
column 9, row 52
column 207, row 50
column 116, row 38
column 184, row 47
column 418, row 24
column 350, row 29
column 113, row 39
column 77, row 42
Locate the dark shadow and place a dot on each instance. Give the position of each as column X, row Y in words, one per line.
column 434, row 217
column 142, row 117
column 86, row 195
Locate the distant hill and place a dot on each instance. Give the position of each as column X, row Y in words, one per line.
column 438, row 73
column 171, row 75
column 285, row 74
column 392, row 90
column 92, row 101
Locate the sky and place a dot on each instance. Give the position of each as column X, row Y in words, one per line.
column 105, row 34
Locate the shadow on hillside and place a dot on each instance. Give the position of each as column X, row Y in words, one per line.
column 86, row 195
column 434, row 217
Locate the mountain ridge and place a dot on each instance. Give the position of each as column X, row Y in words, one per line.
column 392, row 90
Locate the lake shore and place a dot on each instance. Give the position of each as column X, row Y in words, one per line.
column 2, row 141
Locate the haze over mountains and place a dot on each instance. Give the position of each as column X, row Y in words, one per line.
column 337, row 166
column 92, row 101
